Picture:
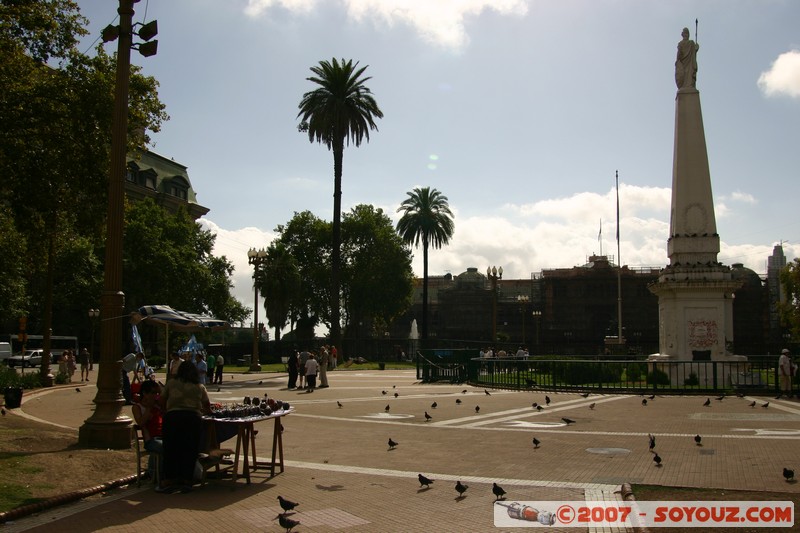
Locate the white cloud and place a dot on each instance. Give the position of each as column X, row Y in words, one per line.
column 783, row 77
column 747, row 198
column 439, row 21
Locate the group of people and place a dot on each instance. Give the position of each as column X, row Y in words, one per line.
column 521, row 353
column 170, row 418
column 209, row 368
column 68, row 362
column 307, row 365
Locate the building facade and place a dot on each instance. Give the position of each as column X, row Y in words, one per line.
column 150, row 175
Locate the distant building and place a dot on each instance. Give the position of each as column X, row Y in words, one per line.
column 568, row 310
column 775, row 263
column 150, row 175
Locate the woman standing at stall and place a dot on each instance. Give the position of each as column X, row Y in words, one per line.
column 184, row 400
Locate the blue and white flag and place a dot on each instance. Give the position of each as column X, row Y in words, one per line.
column 137, row 339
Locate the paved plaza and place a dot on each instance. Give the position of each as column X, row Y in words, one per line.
column 346, row 478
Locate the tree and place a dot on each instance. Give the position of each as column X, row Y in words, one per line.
column 341, row 109
column 167, row 259
column 280, row 286
column 377, row 279
column 426, row 218
column 790, row 308
column 55, row 115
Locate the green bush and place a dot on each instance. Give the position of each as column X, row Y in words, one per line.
column 658, row 377
column 61, row 378
column 692, row 380
column 586, row 373
column 10, row 378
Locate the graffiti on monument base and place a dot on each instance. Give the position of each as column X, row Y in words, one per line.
column 702, row 333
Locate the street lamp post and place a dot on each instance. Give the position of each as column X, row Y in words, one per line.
column 108, row 427
column 523, row 302
column 537, row 315
column 257, row 258
column 494, row 274
column 93, row 314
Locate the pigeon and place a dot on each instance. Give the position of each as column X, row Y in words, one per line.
column 464, row 391
column 652, row 396
column 547, row 400
column 394, row 386
column 498, row 491
column 477, row 408
column 644, row 402
column 387, row 408
column 539, row 408
column 260, row 382
column 585, row 394
column 424, row 481
column 740, row 395
column 698, row 439
column 434, row 405
column 218, row 389
column 287, row 522
column 536, row 443
column 652, row 444
column 287, row 505
column 534, row 405
column 720, row 398
column 427, row 416
column 392, row 444
column 396, row 395
column 486, row 392
column 707, row 402
column 77, row 389
column 591, row 405
column 568, row 421
column 657, row 459
column 461, row 488
column 339, row 404
column 765, row 405
column 788, row 474
column 529, row 382
column 384, row 392
column 458, row 402
column 753, row 404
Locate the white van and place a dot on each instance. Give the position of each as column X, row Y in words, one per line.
column 5, row 351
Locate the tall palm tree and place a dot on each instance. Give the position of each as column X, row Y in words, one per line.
column 341, row 109
column 426, row 218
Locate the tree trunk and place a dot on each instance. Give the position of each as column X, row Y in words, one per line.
column 424, row 290
column 338, row 155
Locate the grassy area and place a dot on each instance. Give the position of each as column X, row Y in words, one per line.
column 14, row 466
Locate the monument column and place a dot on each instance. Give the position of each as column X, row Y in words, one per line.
column 695, row 291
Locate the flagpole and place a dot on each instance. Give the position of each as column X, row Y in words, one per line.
column 619, row 271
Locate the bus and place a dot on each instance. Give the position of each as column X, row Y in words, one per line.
column 58, row 343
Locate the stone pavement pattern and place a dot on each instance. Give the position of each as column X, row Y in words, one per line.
column 339, row 466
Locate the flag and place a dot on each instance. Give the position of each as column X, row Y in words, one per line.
column 137, row 339
column 600, row 233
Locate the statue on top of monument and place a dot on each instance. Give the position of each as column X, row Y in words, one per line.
column 686, row 63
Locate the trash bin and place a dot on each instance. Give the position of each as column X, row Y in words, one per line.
column 381, row 366
column 13, row 397
column 246, row 359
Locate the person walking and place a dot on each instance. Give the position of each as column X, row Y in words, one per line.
column 85, row 361
column 292, row 368
column 786, row 370
column 312, row 367
column 219, row 367
column 211, row 362
column 303, row 358
column 324, row 358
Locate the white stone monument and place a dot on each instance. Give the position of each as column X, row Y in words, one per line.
column 695, row 291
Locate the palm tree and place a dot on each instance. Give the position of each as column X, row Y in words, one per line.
column 427, row 218
column 280, row 286
column 340, row 109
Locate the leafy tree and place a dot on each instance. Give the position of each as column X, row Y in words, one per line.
column 376, row 275
column 55, row 115
column 790, row 308
column 341, row 109
column 280, row 286
column 308, row 240
column 167, row 259
column 427, row 219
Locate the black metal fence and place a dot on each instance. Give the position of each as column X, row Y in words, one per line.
column 756, row 375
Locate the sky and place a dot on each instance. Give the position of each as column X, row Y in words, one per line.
column 520, row 112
